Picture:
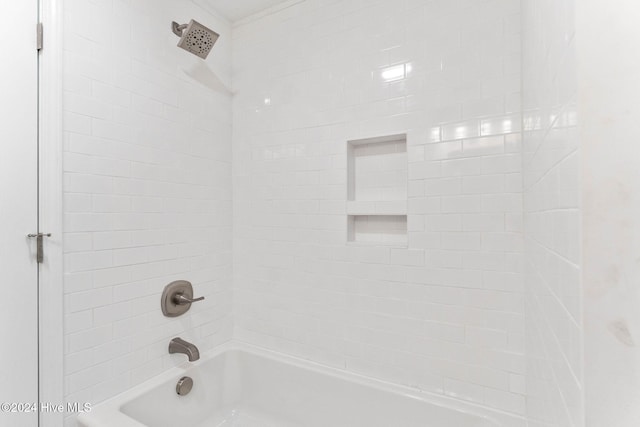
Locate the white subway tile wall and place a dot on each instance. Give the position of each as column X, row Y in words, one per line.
column 444, row 314
column 147, row 191
column 552, row 215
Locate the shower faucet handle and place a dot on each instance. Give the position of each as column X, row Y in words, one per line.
column 177, row 298
column 181, row 299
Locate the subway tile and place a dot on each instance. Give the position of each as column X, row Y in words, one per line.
column 123, row 119
column 157, row 172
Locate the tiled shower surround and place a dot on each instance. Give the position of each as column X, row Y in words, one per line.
column 342, row 180
column 147, row 191
column 444, row 311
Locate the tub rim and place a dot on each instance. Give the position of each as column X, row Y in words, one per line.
column 109, row 412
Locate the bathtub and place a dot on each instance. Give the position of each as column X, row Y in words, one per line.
column 240, row 385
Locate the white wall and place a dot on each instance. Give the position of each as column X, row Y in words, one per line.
column 552, row 215
column 446, row 313
column 609, row 112
column 582, row 240
column 147, row 190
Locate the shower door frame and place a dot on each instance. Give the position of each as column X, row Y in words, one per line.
column 50, row 215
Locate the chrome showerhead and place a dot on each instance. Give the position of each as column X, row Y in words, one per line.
column 195, row 37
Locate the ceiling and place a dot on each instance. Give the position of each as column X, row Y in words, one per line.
column 235, row 10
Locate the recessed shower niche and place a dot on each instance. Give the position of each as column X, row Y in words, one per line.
column 377, row 190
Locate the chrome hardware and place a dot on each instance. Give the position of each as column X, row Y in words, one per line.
column 39, row 245
column 178, row 345
column 177, row 298
column 39, row 36
column 181, row 299
column 184, row 386
column 178, row 29
column 195, row 37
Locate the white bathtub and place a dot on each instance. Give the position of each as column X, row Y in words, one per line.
column 239, row 385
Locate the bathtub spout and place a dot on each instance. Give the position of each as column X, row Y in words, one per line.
column 178, row 345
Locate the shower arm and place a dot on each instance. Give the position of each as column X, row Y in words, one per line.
column 178, row 28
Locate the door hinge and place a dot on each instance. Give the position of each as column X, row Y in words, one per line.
column 40, row 36
column 39, row 245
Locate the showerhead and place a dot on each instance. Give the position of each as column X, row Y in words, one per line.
column 195, row 38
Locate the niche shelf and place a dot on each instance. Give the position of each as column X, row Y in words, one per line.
column 377, row 190
column 389, row 207
column 378, row 169
column 387, row 230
